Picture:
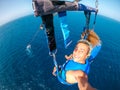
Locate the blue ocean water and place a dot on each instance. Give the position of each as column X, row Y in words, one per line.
column 19, row 71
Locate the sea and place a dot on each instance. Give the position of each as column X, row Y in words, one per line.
column 23, row 68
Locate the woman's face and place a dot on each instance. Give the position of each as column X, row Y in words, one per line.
column 80, row 52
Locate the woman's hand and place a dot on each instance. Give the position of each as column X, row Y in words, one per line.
column 54, row 70
column 69, row 57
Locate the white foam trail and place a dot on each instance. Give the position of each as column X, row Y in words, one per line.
column 29, row 51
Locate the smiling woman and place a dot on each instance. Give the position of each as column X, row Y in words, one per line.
column 75, row 70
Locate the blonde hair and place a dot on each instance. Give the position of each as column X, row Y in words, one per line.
column 92, row 37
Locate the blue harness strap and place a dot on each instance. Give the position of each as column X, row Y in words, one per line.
column 82, row 7
column 58, row 72
column 86, row 27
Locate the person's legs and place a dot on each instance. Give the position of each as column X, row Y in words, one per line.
column 48, row 22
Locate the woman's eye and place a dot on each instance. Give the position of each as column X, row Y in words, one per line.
column 81, row 51
column 76, row 49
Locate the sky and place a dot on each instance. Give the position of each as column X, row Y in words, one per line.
column 13, row 9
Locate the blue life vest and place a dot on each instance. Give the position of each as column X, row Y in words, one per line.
column 71, row 65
